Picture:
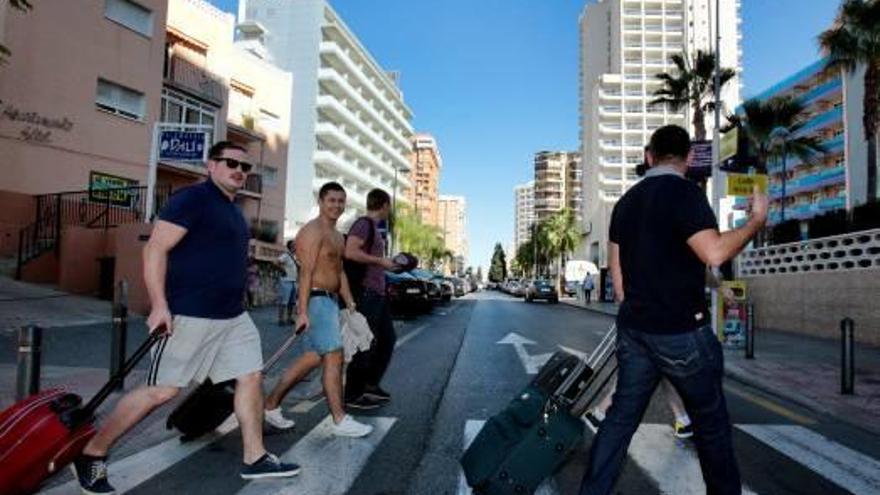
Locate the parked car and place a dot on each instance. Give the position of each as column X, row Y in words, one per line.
column 406, row 294
column 447, row 288
column 541, row 289
column 432, row 287
column 571, row 288
column 458, row 285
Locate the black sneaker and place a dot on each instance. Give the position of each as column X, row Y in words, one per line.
column 91, row 472
column 269, row 466
column 364, row 403
column 377, row 393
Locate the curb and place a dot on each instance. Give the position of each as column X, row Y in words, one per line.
column 741, row 376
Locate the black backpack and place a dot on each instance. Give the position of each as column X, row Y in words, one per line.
column 356, row 272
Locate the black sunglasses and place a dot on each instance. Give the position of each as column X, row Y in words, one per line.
column 234, row 164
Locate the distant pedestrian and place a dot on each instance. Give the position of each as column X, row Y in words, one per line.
column 195, row 271
column 365, row 266
column 588, row 287
column 319, row 247
column 253, row 283
column 287, row 285
column 663, row 230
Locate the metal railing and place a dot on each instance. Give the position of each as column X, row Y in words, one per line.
column 101, row 208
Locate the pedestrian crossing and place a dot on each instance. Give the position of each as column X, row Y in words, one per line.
column 674, row 468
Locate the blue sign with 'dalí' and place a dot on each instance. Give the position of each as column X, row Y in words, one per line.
column 182, row 146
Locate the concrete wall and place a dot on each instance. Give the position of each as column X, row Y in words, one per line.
column 81, row 248
column 129, row 241
column 16, row 211
column 815, row 303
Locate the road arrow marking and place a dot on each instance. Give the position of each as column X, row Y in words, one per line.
column 531, row 363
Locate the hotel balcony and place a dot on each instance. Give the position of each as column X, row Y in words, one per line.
column 821, row 121
column 824, row 178
column 829, row 90
column 343, row 89
column 832, row 146
column 183, row 74
column 333, row 134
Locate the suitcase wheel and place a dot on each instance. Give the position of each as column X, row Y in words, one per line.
column 503, row 475
column 542, row 432
column 65, row 403
column 560, row 447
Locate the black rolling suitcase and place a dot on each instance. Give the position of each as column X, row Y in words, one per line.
column 532, row 437
column 210, row 404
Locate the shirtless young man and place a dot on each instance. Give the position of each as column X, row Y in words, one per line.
column 319, row 246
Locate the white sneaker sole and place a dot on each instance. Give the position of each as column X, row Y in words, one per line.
column 352, row 434
column 277, row 474
column 280, row 427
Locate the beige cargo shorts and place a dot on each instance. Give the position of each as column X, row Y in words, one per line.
column 203, row 348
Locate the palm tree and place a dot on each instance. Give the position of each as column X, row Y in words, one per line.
column 853, row 41
column 692, row 84
column 773, row 130
column 563, row 236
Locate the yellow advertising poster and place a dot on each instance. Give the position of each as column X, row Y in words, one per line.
column 743, row 184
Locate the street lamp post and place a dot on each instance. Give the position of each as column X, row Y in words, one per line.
column 716, row 149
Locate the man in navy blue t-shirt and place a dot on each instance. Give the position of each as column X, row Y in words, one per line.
column 195, row 268
column 663, row 234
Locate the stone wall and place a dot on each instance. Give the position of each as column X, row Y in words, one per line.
column 814, row 303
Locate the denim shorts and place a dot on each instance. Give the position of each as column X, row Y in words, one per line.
column 324, row 334
column 286, row 292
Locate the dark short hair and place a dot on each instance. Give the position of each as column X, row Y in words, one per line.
column 670, row 141
column 219, row 147
column 330, row 186
column 377, row 199
column 290, row 243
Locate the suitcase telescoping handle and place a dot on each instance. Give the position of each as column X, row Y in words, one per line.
column 280, row 352
column 90, row 408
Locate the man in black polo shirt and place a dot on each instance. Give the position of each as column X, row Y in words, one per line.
column 663, row 234
column 195, row 272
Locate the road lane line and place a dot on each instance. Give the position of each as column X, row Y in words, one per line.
column 672, row 464
column 841, row 465
column 770, row 406
column 330, row 464
column 406, row 338
column 471, row 428
column 135, row 469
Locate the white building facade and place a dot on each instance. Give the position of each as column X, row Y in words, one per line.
column 524, row 215
column 453, row 224
column 349, row 122
column 624, row 45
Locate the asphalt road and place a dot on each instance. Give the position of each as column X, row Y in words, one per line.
column 448, row 375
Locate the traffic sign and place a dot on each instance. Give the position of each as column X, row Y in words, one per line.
column 744, row 184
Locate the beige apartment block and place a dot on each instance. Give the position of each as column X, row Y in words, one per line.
column 453, row 226
column 80, row 117
column 425, row 177
column 557, row 183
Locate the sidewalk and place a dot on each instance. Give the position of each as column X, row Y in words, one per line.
column 24, row 304
column 802, row 369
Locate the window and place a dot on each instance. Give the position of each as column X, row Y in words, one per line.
column 131, row 15
column 270, row 175
column 177, row 108
column 120, row 100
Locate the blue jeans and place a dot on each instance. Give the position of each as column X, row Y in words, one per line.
column 693, row 363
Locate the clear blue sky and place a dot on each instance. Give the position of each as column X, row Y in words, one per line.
column 497, row 80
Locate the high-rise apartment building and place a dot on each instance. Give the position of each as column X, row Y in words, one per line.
column 524, row 215
column 349, row 122
column 453, row 224
column 557, row 185
column 832, row 180
column 426, row 163
column 624, row 45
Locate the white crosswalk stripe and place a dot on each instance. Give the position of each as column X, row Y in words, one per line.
column 130, row 472
column 330, row 464
column 672, row 464
column 841, row 465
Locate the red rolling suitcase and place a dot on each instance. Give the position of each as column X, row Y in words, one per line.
column 44, row 432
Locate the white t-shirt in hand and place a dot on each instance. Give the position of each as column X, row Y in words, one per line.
column 289, row 265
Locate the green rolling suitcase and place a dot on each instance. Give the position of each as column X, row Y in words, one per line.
column 533, row 436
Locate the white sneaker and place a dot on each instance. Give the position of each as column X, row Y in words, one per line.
column 276, row 419
column 348, row 427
